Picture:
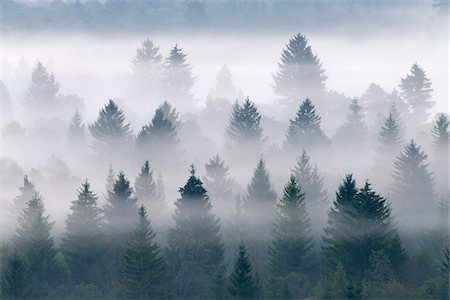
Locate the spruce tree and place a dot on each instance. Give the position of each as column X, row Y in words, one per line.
column 147, row 67
column 143, row 267
column 412, row 188
column 42, row 95
column 244, row 135
column 83, row 242
column 416, row 90
column 304, row 131
column 290, row 249
column 389, row 135
column 440, row 131
column 145, row 190
column 194, row 244
column 177, row 79
column 77, row 131
column 242, row 281
column 27, row 191
column 218, row 184
column 110, row 132
column 441, row 138
column 171, row 114
column 14, row 280
column 316, row 196
column 354, row 130
column 110, row 178
column 36, row 246
column 300, row 73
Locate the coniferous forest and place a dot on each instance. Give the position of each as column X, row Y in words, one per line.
column 256, row 172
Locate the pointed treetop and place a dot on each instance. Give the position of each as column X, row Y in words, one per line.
column 192, row 169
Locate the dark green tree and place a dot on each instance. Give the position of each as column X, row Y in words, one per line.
column 14, row 280
column 77, row 131
column 36, row 246
column 354, row 130
column 143, row 263
column 416, row 90
column 304, row 131
column 412, row 188
column 83, row 242
column 300, row 73
column 242, row 281
column 145, row 190
column 195, row 251
column 177, row 79
column 110, row 133
column 244, row 135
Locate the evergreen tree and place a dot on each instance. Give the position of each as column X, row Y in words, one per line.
column 171, row 114
column 412, row 189
column 109, row 185
column 143, row 263
column 36, row 246
column 440, row 133
column 159, row 189
column 77, row 131
column 83, row 242
column 416, row 90
column 218, row 184
column 238, row 228
column 195, row 250
column 147, row 68
column 316, row 197
column 375, row 100
column 244, row 135
column 145, row 190
column 42, row 95
column 224, row 87
column 27, row 191
column 300, row 73
column 290, row 249
column 14, row 281
column 305, row 129
column 354, row 130
column 243, row 284
column 177, row 79
column 110, row 133
column 389, row 135
column 360, row 223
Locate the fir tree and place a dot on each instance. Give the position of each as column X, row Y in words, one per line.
column 416, row 90
column 27, row 191
column 244, row 135
column 177, row 79
column 14, row 281
column 42, row 95
column 304, row 130
column 171, row 114
column 109, row 131
column 412, row 189
column 218, row 184
column 110, row 178
column 440, row 133
column 36, row 246
column 82, row 245
column 243, row 284
column 354, row 130
column 389, row 135
column 260, row 191
column 290, row 249
column 316, row 197
column 300, row 73
column 194, row 244
column 143, row 264
column 224, row 87
column 77, row 131
column 145, row 190
column 159, row 188
column 147, row 67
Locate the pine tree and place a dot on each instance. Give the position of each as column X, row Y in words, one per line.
column 412, row 189
column 354, row 130
column 290, row 249
column 359, row 223
column 194, row 244
column 14, row 281
column 244, row 135
column 300, row 73
column 316, row 196
column 42, row 95
column 110, row 133
column 441, row 138
column 260, row 191
column 27, row 191
column 218, row 184
column 304, row 130
column 224, row 87
column 34, row 243
column 82, row 245
column 243, row 284
column 77, row 131
column 389, row 135
column 416, row 90
column 143, row 263
column 145, row 190
column 177, row 79
column 171, row 114
column 147, row 68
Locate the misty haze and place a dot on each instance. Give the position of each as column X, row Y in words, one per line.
column 229, row 149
